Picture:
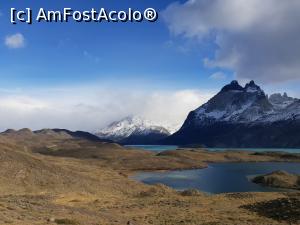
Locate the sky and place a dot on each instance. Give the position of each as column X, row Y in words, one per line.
column 82, row 76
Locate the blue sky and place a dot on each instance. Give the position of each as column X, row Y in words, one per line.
column 73, row 53
column 85, row 75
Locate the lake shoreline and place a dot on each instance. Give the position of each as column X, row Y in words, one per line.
column 237, row 174
column 161, row 148
column 85, row 182
column 230, row 157
column 209, row 158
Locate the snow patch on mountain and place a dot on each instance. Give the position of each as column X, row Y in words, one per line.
column 242, row 117
column 128, row 126
column 248, row 104
column 281, row 101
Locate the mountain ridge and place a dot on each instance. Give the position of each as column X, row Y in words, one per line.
column 242, row 117
column 133, row 130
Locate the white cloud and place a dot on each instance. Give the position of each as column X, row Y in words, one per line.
column 218, row 76
column 15, row 41
column 171, row 108
column 92, row 107
column 256, row 39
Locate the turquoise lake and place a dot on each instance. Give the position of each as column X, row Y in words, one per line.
column 160, row 148
column 156, row 148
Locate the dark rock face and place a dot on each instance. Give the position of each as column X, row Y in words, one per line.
column 141, row 138
column 284, row 134
column 242, row 117
column 234, row 85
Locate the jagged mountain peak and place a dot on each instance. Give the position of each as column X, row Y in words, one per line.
column 279, row 100
column 251, row 84
column 236, row 87
column 280, row 97
column 233, row 86
column 235, row 102
column 242, row 117
column 252, row 87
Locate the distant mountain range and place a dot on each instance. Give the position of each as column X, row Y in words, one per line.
column 242, row 117
column 237, row 117
column 133, row 130
column 57, row 133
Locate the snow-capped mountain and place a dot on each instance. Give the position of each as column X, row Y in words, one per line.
column 281, row 101
column 134, row 130
column 235, row 103
column 243, row 117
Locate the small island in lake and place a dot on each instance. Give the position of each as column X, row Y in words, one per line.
column 279, row 179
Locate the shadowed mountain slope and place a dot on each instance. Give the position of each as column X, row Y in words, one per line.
column 242, row 117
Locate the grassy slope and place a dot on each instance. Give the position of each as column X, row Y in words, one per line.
column 82, row 182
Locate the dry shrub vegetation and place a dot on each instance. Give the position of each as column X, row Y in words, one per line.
column 49, row 177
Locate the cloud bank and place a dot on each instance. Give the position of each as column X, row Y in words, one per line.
column 256, row 39
column 15, row 41
column 92, row 107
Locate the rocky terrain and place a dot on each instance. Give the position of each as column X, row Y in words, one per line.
column 57, row 177
column 242, row 117
column 279, row 179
